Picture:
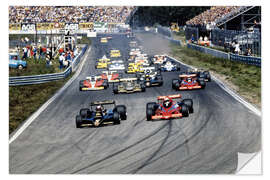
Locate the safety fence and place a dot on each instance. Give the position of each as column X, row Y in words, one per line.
column 256, row 61
column 38, row 79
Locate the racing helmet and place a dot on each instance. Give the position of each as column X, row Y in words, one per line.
column 99, row 108
column 92, row 78
column 167, row 102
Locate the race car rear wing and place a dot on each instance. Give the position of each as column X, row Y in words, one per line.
column 95, row 103
column 108, row 72
column 176, row 96
column 128, row 79
column 187, row 75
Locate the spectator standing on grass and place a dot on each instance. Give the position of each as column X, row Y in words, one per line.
column 24, row 53
column 48, row 61
column 192, row 38
column 237, row 48
column 18, row 49
column 35, row 52
column 61, row 60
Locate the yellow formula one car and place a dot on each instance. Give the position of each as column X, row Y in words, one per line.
column 104, row 58
column 102, row 64
column 115, row 53
column 134, row 68
column 103, row 40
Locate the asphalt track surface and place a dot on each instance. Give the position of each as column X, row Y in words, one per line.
column 206, row 142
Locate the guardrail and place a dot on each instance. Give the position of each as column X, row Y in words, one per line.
column 38, row 79
column 256, row 61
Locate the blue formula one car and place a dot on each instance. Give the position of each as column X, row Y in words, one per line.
column 97, row 115
column 151, row 77
column 16, row 62
column 169, row 66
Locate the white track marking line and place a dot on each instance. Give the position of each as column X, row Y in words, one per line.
column 44, row 106
column 248, row 158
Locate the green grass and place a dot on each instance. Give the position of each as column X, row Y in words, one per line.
column 35, row 67
column 246, row 77
column 25, row 100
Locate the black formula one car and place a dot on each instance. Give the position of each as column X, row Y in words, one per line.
column 151, row 77
column 200, row 74
column 128, row 85
column 97, row 115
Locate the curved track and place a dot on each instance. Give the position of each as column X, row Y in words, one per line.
column 205, row 142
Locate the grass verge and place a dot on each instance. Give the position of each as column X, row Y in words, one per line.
column 244, row 79
column 25, row 100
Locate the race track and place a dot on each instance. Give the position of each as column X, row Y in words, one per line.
column 206, row 142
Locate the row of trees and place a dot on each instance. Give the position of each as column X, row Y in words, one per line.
column 164, row 15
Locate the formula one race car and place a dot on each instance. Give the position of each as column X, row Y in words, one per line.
column 134, row 67
column 166, row 108
column 97, row 115
column 201, row 73
column 135, row 52
column 133, row 44
column 159, row 59
column 142, row 59
column 102, row 64
column 104, row 58
column 115, row 53
column 150, row 77
column 111, row 76
column 187, row 82
column 117, row 65
column 93, row 83
column 128, row 85
column 103, row 40
column 170, row 66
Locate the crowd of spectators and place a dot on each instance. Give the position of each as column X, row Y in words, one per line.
column 212, row 15
column 68, row 14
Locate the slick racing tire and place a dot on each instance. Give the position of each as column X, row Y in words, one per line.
column 151, row 105
column 177, row 67
column 202, row 83
column 122, row 110
column 175, row 84
column 149, row 113
column 78, row 121
column 81, row 85
column 115, row 89
column 116, row 118
column 189, row 104
column 105, row 84
column 85, row 112
column 207, row 75
column 184, row 110
column 143, row 87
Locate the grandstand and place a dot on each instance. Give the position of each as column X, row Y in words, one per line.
column 226, row 26
column 68, row 14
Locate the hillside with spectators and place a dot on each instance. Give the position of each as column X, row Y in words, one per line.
column 68, row 14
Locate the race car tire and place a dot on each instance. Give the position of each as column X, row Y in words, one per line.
column 202, row 83
column 115, row 89
column 184, row 110
column 189, row 104
column 78, row 121
column 85, row 112
column 81, row 85
column 177, row 67
column 143, row 87
column 138, row 75
column 116, row 118
column 105, row 84
column 175, row 84
column 151, row 105
column 122, row 110
column 95, row 66
column 207, row 75
column 149, row 113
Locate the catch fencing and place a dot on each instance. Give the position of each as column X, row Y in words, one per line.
column 256, row 61
column 38, row 79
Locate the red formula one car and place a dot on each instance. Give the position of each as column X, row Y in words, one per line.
column 187, row 82
column 93, row 83
column 111, row 76
column 166, row 108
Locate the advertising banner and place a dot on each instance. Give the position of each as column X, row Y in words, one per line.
column 28, row 27
column 15, row 27
column 86, row 26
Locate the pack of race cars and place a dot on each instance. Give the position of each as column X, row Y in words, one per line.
column 135, row 74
